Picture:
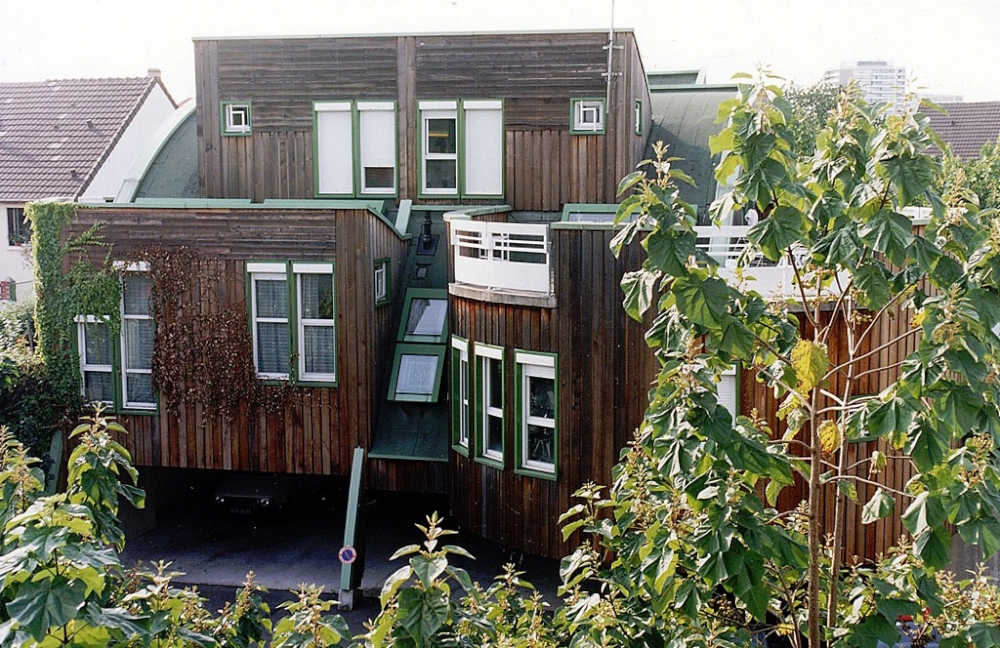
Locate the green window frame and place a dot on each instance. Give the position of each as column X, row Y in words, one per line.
column 236, row 118
column 638, row 116
column 292, row 308
column 587, row 116
column 461, row 148
column 355, row 149
column 381, row 282
column 117, row 370
column 490, row 405
column 416, row 373
column 461, row 399
column 425, row 316
column 536, row 405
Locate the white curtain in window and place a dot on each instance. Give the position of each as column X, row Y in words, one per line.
column 334, row 154
column 483, row 148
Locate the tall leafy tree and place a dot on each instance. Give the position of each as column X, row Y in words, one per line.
column 699, row 552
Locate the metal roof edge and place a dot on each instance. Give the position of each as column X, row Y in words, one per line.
column 693, row 87
column 529, row 32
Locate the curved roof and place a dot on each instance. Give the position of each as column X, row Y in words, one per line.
column 683, row 118
column 172, row 172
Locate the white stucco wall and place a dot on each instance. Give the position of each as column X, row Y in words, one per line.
column 134, row 140
column 14, row 260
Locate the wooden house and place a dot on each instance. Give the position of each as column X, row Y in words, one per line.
column 399, row 243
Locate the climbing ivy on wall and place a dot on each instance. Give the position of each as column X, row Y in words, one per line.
column 84, row 287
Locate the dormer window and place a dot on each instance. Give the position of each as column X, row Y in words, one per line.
column 587, row 116
column 236, row 118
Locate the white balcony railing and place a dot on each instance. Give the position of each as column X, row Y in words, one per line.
column 726, row 243
column 502, row 256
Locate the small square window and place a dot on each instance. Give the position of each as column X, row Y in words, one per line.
column 236, row 118
column 587, row 116
column 18, row 228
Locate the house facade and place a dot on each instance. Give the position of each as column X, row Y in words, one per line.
column 401, row 243
column 68, row 139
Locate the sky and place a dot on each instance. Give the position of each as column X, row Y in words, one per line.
column 947, row 46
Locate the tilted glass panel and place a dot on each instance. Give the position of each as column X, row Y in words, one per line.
column 320, row 349
column 135, row 295
column 139, row 335
column 97, row 349
column 540, row 444
column 427, row 316
column 272, row 298
column 317, row 296
column 542, row 397
column 417, row 374
column 272, row 347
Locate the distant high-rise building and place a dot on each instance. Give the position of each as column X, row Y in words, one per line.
column 879, row 81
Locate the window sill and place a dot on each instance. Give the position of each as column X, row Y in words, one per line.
column 460, row 449
column 538, row 474
column 497, row 296
column 492, row 463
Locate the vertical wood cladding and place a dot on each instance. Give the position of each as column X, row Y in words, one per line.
column 535, row 74
column 316, row 429
column 604, row 367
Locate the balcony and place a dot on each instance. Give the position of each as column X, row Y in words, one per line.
column 502, row 262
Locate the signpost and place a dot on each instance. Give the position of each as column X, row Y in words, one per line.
column 350, row 575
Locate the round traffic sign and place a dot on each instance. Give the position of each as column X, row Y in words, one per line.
column 347, row 555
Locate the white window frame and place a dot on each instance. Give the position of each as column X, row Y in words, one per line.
column 438, row 110
column 482, row 149
column 380, row 279
column 128, row 403
column 370, row 107
column 485, row 355
column 265, row 272
column 729, row 378
column 299, row 269
column 461, row 347
column 230, row 126
column 528, row 366
column 85, row 367
column 582, row 108
column 330, row 169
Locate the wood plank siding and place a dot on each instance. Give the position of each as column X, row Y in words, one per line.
column 536, row 75
column 316, row 428
column 604, row 368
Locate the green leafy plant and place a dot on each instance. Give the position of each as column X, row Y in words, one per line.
column 695, row 549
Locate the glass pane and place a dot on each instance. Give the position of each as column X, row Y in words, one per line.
column 441, row 174
column 494, row 434
column 97, row 386
column 317, row 296
column 441, row 136
column 135, row 294
column 272, row 348
column 139, row 343
column 542, row 393
column 97, row 349
column 427, row 316
column 140, row 387
column 495, row 373
column 380, row 178
column 416, row 374
column 271, row 298
column 540, row 444
column 320, row 348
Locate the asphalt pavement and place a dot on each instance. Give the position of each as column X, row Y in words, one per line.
column 214, row 549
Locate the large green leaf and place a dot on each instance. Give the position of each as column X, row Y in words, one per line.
column 638, row 289
column 670, row 250
column 777, row 232
column 924, row 512
column 889, row 233
column 841, row 246
column 46, row 603
column 926, row 446
column 911, row 176
column 422, row 613
column 983, row 531
column 934, row 547
column 872, row 283
column 879, row 506
column 702, row 300
column 427, row 569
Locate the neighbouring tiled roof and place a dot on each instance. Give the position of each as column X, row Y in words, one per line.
column 967, row 126
column 55, row 134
